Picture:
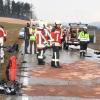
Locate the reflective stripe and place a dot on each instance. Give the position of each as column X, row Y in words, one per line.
column 57, row 44
column 39, row 38
column 82, row 50
column 48, row 33
column 55, row 60
column 83, row 36
column 57, row 37
column 41, row 53
column 40, row 46
column 1, row 49
column 40, row 57
column 84, row 39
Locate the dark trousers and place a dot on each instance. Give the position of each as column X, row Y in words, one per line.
column 32, row 43
column 26, row 45
column 40, row 56
column 83, row 45
column 55, row 57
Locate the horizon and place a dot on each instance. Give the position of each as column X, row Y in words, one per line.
column 86, row 11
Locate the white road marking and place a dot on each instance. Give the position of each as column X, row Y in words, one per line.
column 25, row 79
column 25, row 82
column 25, row 98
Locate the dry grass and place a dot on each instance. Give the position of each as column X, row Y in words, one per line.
column 12, row 37
column 13, row 20
column 12, row 26
column 96, row 46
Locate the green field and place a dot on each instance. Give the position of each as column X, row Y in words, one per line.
column 12, row 32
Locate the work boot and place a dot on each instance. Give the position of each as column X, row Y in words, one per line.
column 41, row 62
column 55, row 66
column 83, row 54
column 26, row 52
column 44, row 57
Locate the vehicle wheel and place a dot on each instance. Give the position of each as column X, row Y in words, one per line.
column 81, row 54
column 66, row 47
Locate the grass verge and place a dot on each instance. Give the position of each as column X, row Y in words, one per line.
column 12, row 37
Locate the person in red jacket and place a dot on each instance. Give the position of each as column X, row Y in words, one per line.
column 56, row 35
column 40, row 40
column 2, row 39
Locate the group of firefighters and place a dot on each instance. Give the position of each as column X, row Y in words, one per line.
column 42, row 36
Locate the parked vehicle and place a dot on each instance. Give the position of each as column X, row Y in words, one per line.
column 21, row 33
column 73, row 30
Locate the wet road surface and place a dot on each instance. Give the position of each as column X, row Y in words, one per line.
column 38, row 87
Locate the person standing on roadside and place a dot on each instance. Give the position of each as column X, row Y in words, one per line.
column 33, row 38
column 26, row 37
column 56, row 35
column 3, row 35
column 84, row 39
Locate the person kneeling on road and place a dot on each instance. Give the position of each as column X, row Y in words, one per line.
column 33, row 38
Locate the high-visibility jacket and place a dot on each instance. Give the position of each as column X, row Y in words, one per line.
column 40, row 39
column 32, row 33
column 2, row 32
column 84, row 37
column 56, row 35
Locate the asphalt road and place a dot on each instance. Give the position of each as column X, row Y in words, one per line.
column 28, row 62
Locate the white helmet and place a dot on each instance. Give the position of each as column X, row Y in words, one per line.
column 57, row 22
column 41, row 26
column 85, row 27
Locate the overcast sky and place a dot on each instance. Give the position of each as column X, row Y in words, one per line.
column 67, row 10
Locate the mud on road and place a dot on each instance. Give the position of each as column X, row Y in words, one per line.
column 77, row 79
column 78, row 74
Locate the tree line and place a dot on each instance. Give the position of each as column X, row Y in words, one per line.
column 9, row 8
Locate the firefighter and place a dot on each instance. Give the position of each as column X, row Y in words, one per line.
column 40, row 42
column 56, row 35
column 2, row 40
column 84, row 40
column 33, row 38
column 26, row 37
column 48, row 36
